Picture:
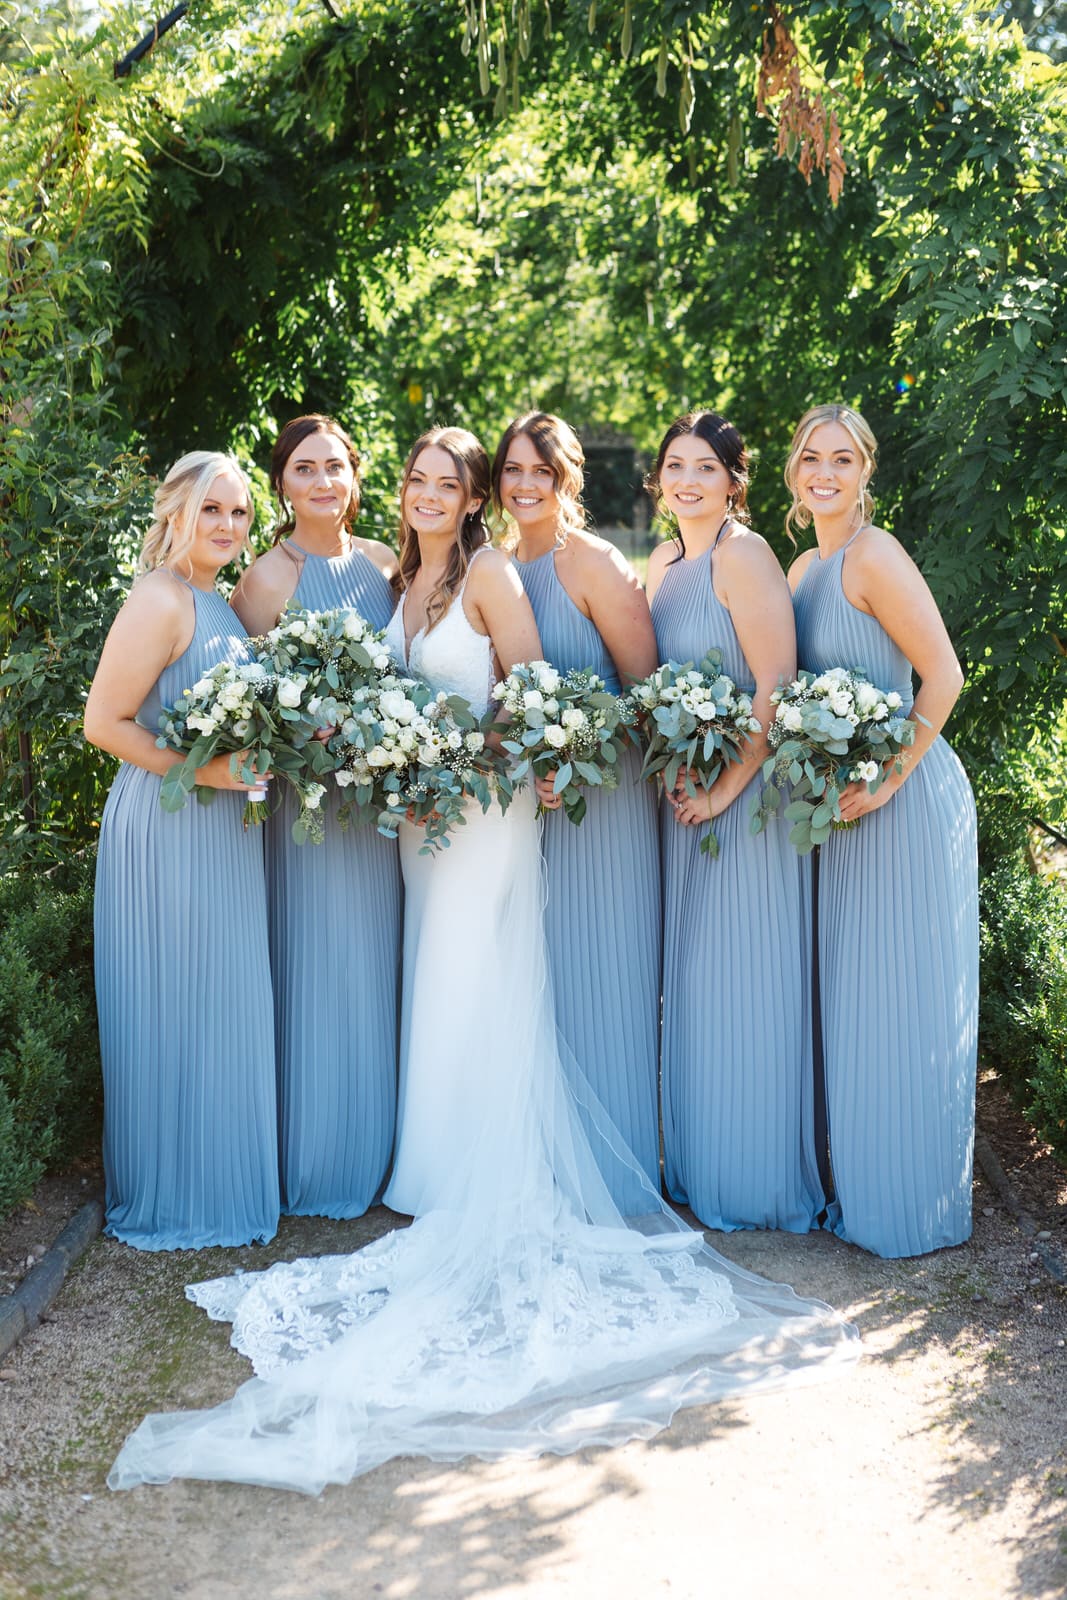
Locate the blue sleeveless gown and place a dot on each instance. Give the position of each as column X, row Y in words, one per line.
column 602, row 917
column 183, row 995
column 335, row 955
column 898, row 957
column 738, row 1094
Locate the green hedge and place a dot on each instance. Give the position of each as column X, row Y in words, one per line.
column 50, row 1095
column 1023, row 1017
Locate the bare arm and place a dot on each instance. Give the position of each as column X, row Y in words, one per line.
column 881, row 578
column 264, row 589
column 619, row 612
column 497, row 605
column 153, row 628
column 753, row 587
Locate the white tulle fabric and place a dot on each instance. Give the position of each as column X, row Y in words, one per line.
column 520, row 1313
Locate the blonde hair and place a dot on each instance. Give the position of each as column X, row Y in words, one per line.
column 560, row 449
column 472, row 470
column 178, row 503
column 862, row 437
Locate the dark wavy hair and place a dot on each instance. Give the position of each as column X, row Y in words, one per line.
column 472, row 470
column 724, row 441
column 293, row 434
column 560, row 449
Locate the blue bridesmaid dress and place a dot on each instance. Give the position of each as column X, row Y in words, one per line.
column 602, row 916
column 184, row 997
column 738, row 1096
column 335, row 954
column 898, row 966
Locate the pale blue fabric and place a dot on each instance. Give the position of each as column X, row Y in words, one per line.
column 738, row 1113
column 898, row 953
column 602, row 916
column 335, row 955
column 184, row 998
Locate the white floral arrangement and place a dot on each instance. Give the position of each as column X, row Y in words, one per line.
column 407, row 752
column 237, row 709
column 696, row 721
column 830, row 729
column 566, row 724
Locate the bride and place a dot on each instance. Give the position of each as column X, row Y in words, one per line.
column 520, row 1313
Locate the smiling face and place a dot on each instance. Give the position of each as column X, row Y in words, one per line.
column 528, row 490
column 693, row 483
column 830, row 474
column 433, row 497
column 221, row 530
column 318, row 481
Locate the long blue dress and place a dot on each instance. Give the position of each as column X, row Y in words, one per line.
column 183, row 994
column 602, row 917
column 898, row 958
column 738, row 1111
column 335, row 955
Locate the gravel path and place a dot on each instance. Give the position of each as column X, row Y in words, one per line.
column 937, row 1468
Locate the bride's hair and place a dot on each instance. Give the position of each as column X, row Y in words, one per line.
column 472, row 470
column 178, row 503
column 560, row 449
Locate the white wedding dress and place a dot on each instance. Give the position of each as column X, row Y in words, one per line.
column 520, row 1313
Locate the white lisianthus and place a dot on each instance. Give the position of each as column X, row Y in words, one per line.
column 880, row 712
column 201, row 687
column 866, row 698
column 752, row 725
column 672, row 692
column 866, row 772
column 202, row 722
column 242, row 728
column 407, row 739
column 313, row 796
column 850, row 716
column 893, row 700
column 694, row 678
column 840, row 703
column 390, row 728
column 555, row 736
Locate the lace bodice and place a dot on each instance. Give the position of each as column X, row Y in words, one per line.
column 453, row 655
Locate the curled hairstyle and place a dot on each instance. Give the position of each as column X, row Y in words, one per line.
column 862, row 437
column 292, row 435
column 472, row 470
column 724, row 441
column 559, row 448
column 178, row 503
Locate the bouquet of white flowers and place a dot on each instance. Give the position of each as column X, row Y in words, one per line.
column 248, row 712
column 407, row 752
column 568, row 724
column 830, row 729
column 696, row 722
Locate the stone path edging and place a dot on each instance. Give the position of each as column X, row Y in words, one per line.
column 24, row 1307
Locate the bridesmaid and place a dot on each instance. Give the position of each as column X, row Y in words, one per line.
column 602, row 917
column 738, row 1115
column 334, row 907
column 182, row 970
column 898, row 915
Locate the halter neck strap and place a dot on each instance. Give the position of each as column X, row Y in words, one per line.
column 291, row 544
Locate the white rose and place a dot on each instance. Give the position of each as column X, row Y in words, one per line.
column 475, row 742
column 573, row 718
column 866, row 698
column 840, row 704
column 295, row 630
column 344, row 777
column 893, row 700
column 380, row 663
column 533, row 700
column 397, row 706
column 790, row 717
column 428, row 755
column 379, row 757
column 555, row 736
column 354, row 628
column 313, row 796
column 880, row 712
column 455, row 739
column 547, row 676
column 290, row 690
column 551, row 707
column 753, row 725
column 201, row 722
column 390, row 728
column 392, row 800
column 407, row 740
column 202, row 686
column 252, row 671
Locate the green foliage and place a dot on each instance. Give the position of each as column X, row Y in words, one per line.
column 49, row 1057
column 1023, row 1016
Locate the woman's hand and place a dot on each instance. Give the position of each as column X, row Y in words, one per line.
column 546, row 795
column 217, row 774
column 856, row 799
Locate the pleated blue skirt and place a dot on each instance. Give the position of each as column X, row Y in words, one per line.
column 334, row 942
column 187, row 1043
column 898, row 927
column 738, row 1118
column 603, row 926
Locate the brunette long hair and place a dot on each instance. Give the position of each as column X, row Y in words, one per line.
column 560, row 449
column 472, row 470
column 293, row 434
column 724, row 440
